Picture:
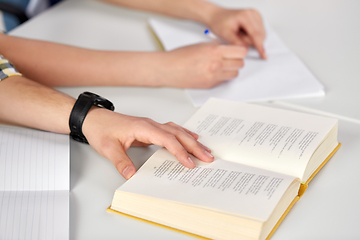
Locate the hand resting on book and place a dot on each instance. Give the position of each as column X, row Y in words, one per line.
column 120, row 132
column 109, row 133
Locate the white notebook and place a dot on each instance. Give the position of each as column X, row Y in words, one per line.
column 34, row 184
column 282, row 76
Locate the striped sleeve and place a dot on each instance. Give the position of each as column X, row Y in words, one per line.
column 7, row 69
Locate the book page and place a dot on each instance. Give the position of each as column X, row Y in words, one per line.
column 282, row 76
column 34, row 184
column 221, row 185
column 268, row 138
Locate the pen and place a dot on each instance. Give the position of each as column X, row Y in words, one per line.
column 210, row 34
column 213, row 36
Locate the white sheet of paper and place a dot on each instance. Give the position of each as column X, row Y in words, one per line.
column 282, row 76
column 34, row 184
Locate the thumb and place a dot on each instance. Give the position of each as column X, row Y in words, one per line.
column 122, row 162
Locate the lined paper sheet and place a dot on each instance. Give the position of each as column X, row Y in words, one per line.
column 282, row 76
column 34, row 184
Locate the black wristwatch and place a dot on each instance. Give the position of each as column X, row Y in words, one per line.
column 81, row 108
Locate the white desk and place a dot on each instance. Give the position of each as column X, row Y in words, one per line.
column 330, row 207
column 325, row 35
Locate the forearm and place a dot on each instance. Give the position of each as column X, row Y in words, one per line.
column 27, row 103
column 242, row 27
column 197, row 10
column 55, row 64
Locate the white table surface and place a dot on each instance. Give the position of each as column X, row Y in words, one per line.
column 325, row 34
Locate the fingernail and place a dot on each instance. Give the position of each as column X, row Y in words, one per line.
column 191, row 161
column 209, row 154
column 207, row 149
column 265, row 55
column 128, row 172
column 195, row 134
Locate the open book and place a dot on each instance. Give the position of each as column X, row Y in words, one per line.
column 282, row 76
column 265, row 158
column 34, row 184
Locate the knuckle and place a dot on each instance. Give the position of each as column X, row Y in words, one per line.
column 251, row 11
column 175, row 129
column 180, row 153
column 120, row 165
column 145, row 119
column 178, row 131
column 169, row 138
column 172, row 124
column 216, row 49
column 142, row 121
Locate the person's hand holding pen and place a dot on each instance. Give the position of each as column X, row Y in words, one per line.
column 238, row 27
column 202, row 65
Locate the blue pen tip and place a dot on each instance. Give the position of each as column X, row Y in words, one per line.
column 206, row 31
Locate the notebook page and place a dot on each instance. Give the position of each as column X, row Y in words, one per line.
column 34, row 215
column 282, row 76
column 34, row 184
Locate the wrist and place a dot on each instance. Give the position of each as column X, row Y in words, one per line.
column 93, row 124
column 151, row 75
column 206, row 13
column 81, row 108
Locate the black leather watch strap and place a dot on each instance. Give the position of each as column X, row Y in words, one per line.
column 81, row 107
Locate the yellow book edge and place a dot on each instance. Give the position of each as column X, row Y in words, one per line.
column 198, row 236
column 156, row 224
column 304, row 186
column 302, row 190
